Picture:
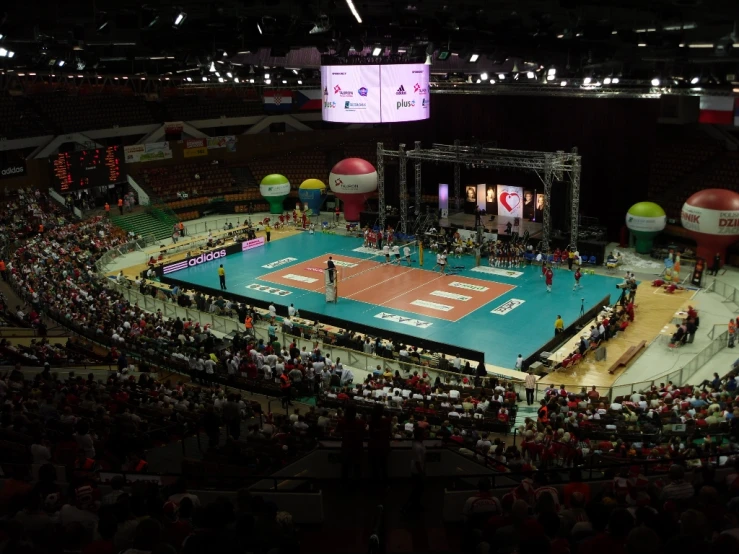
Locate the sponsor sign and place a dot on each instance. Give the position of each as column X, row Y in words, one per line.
column 451, row 295
column 196, row 143
column 412, row 322
column 253, row 243
column 314, row 269
column 278, row 263
column 405, row 104
column 339, row 263
column 154, row 151
column 268, row 290
column 192, row 262
column 497, row 271
column 195, row 152
column 710, row 222
column 467, row 286
column 300, row 278
column 282, row 189
column 15, row 170
column 507, row 307
column 646, row 224
column 432, row 305
column 173, row 127
column 365, row 250
column 351, row 106
column 220, row 142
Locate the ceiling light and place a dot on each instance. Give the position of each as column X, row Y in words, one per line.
column 376, row 51
column 484, row 76
column 607, row 81
column 3, row 52
column 188, row 79
column 205, row 78
column 655, row 82
column 220, row 79
column 2, row 36
column 259, row 28
column 695, row 80
column 300, row 82
column 180, row 19
column 530, row 74
column 267, row 81
column 478, row 81
column 225, row 54
column 251, row 80
column 586, row 81
column 236, row 79
column 492, row 81
column 474, row 58
column 614, row 80
column 552, row 71
column 563, row 83
column 354, row 11
column 284, row 82
column 229, row 75
column 550, row 77
column 501, row 76
column 266, row 75
column 218, row 74
column 295, row 71
column 212, row 67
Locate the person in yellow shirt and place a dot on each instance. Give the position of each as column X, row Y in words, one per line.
column 222, row 276
column 267, row 231
column 559, row 325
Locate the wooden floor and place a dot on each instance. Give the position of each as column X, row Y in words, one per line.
column 654, row 310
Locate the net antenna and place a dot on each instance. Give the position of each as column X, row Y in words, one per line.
column 331, row 283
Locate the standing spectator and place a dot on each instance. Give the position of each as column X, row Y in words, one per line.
column 379, row 443
column 418, row 472
column 232, row 417
column 530, row 385
column 677, row 488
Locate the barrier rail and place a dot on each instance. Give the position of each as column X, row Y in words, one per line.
column 729, row 293
column 103, row 264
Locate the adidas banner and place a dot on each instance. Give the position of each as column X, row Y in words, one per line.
column 10, row 169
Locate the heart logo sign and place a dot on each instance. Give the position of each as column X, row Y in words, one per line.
column 510, row 200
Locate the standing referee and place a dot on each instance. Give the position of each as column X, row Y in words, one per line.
column 222, row 276
column 331, row 268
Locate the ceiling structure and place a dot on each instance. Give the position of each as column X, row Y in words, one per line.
column 683, row 42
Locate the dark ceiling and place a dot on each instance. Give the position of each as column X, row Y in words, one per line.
column 632, row 38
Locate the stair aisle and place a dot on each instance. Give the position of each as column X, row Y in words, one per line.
column 145, row 223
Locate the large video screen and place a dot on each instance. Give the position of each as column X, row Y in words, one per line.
column 375, row 93
column 87, row 168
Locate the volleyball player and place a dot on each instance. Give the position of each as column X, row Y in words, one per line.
column 577, row 279
column 386, row 251
column 396, row 253
column 407, row 254
column 442, row 262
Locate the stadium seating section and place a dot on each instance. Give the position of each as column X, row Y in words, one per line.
column 192, row 108
column 167, row 182
column 18, row 119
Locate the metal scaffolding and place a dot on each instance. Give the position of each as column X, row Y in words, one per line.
column 403, row 188
column 417, row 181
column 548, row 166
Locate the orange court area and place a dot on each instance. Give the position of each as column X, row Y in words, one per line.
column 416, row 290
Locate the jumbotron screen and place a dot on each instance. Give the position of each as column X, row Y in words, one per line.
column 375, row 93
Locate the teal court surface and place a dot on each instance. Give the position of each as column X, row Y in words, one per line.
column 500, row 312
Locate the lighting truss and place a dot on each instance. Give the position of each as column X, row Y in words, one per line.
column 548, row 167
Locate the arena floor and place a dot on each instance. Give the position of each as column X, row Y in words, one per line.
column 498, row 311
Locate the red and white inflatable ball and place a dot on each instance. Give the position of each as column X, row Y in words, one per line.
column 353, row 180
column 712, row 217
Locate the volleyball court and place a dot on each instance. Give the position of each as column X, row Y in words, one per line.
column 392, row 285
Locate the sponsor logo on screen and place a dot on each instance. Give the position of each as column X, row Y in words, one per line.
column 400, row 91
column 418, row 89
column 404, row 104
column 325, row 91
column 425, row 103
column 329, row 105
column 337, row 89
column 362, row 91
column 351, row 106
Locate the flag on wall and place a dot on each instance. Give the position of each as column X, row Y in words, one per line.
column 717, row 110
column 278, row 100
column 309, row 99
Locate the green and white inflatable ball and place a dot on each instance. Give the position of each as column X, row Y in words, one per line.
column 645, row 221
column 275, row 188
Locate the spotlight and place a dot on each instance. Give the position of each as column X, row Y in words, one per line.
column 550, row 77
column 284, row 82
column 501, row 76
column 189, row 79
column 354, row 11
column 251, row 81
column 180, row 19
column 478, row 81
column 484, row 76
column 474, row 58
column 229, row 75
column 266, row 75
column 205, row 79
column 614, row 80
column 607, row 81
column 60, row 63
column 563, row 84
column 552, row 71
column 225, row 54
column 376, row 51
column 267, row 81
column 492, row 81
column 695, row 80
column 295, row 71
column 11, row 53
column 236, row 79
column 220, row 79
column 530, row 74
column 259, row 28
column 212, row 68
column 218, row 74
column 655, row 82
column 586, row 81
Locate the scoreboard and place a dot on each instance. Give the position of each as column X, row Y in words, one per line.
column 83, row 169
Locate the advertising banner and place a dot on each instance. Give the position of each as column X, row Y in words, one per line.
column 194, row 152
column 154, row 151
column 173, row 127
column 11, row 169
column 510, row 201
column 222, row 142
column 195, row 143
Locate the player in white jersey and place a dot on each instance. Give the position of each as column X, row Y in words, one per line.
column 396, row 253
column 386, row 251
column 442, row 261
column 407, row 254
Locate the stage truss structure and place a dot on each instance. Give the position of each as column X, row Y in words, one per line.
column 548, row 167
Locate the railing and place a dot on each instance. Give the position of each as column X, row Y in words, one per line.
column 729, row 293
column 103, row 264
column 198, row 227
